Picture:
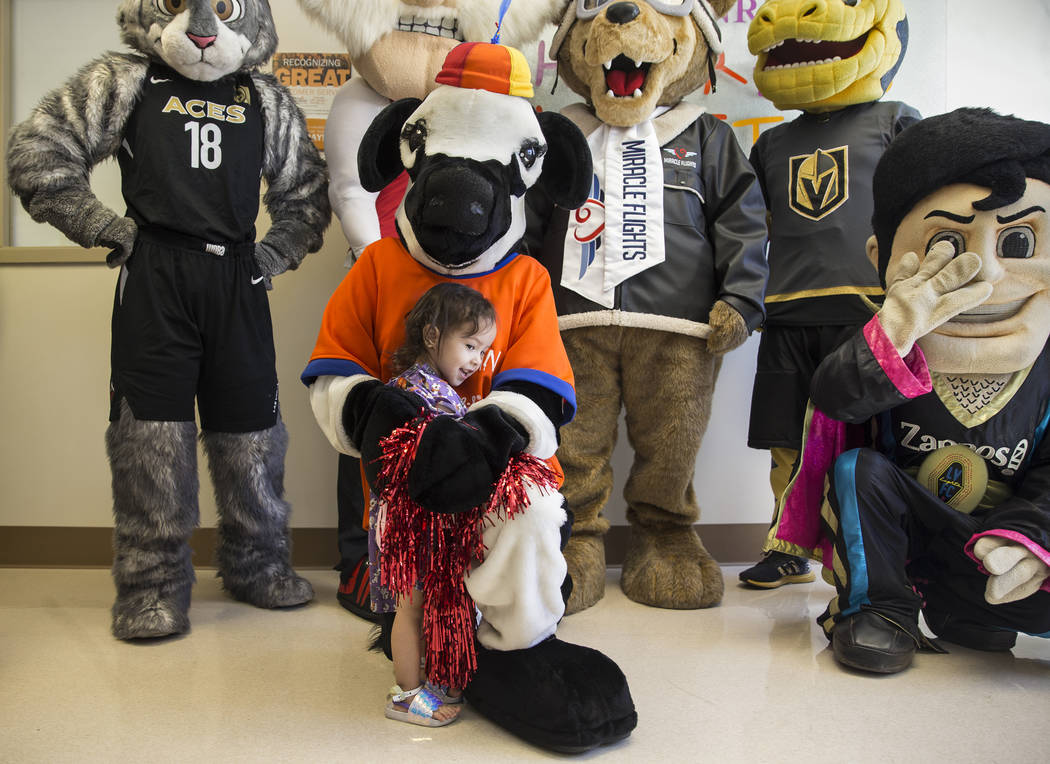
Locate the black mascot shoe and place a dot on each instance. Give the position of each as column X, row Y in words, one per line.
column 564, row 697
column 869, row 642
column 353, row 593
column 951, row 629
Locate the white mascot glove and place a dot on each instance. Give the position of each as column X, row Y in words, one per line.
column 922, row 296
column 1016, row 573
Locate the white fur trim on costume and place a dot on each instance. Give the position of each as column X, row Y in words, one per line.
column 327, row 399
column 634, row 321
column 517, row 587
column 543, row 440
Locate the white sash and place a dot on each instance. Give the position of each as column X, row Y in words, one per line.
column 619, row 231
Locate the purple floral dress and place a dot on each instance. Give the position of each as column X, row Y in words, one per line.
column 441, row 399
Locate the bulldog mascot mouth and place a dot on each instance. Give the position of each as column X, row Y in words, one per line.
column 471, row 150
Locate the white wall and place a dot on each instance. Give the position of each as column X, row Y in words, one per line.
column 54, row 320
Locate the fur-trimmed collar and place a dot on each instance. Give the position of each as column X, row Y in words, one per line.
column 668, row 123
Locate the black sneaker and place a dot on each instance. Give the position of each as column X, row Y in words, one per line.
column 777, row 569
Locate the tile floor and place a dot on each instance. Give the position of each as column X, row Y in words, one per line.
column 749, row 681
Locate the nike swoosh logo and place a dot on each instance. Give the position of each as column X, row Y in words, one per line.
column 257, row 280
column 158, row 80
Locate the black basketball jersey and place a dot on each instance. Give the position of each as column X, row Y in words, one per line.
column 815, row 172
column 1006, row 432
column 191, row 156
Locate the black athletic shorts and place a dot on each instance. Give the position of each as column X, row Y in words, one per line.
column 192, row 320
column 787, row 358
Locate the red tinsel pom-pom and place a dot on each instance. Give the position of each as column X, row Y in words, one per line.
column 438, row 549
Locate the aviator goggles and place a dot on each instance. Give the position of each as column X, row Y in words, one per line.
column 587, row 9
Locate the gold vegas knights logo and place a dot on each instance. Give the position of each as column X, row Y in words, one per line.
column 243, row 95
column 819, row 182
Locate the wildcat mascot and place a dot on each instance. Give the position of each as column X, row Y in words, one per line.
column 193, row 127
column 397, row 48
column 656, row 276
column 472, row 148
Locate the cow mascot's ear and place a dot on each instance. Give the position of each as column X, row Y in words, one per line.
column 379, row 156
column 567, row 170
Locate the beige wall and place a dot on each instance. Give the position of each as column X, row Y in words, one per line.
column 54, row 319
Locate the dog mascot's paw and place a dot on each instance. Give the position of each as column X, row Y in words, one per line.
column 670, row 568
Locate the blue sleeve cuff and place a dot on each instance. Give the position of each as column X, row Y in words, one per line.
column 322, row 367
column 556, row 385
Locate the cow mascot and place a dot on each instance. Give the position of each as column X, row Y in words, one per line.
column 472, row 148
column 396, row 48
column 194, row 127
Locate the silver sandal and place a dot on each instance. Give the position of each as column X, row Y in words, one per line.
column 420, row 711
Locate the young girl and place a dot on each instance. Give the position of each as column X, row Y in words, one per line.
column 447, row 335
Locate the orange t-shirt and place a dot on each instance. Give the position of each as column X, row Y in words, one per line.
column 364, row 323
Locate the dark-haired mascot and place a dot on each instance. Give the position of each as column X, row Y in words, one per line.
column 930, row 423
column 834, row 60
column 659, row 274
column 472, row 148
column 194, row 127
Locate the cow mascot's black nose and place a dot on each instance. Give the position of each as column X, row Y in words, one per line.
column 458, row 198
column 458, row 207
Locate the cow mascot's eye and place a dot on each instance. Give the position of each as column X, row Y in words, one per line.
column 530, row 151
column 415, row 133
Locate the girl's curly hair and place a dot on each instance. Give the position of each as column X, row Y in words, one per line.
column 445, row 306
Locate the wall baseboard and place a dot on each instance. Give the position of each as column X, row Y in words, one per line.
column 23, row 546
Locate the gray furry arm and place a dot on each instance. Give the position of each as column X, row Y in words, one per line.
column 74, row 127
column 297, row 183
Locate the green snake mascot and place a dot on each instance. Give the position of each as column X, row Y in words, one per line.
column 834, row 60
column 193, row 127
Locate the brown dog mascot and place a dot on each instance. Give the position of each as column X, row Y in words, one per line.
column 655, row 277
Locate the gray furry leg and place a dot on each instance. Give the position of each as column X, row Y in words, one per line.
column 254, row 552
column 154, row 466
